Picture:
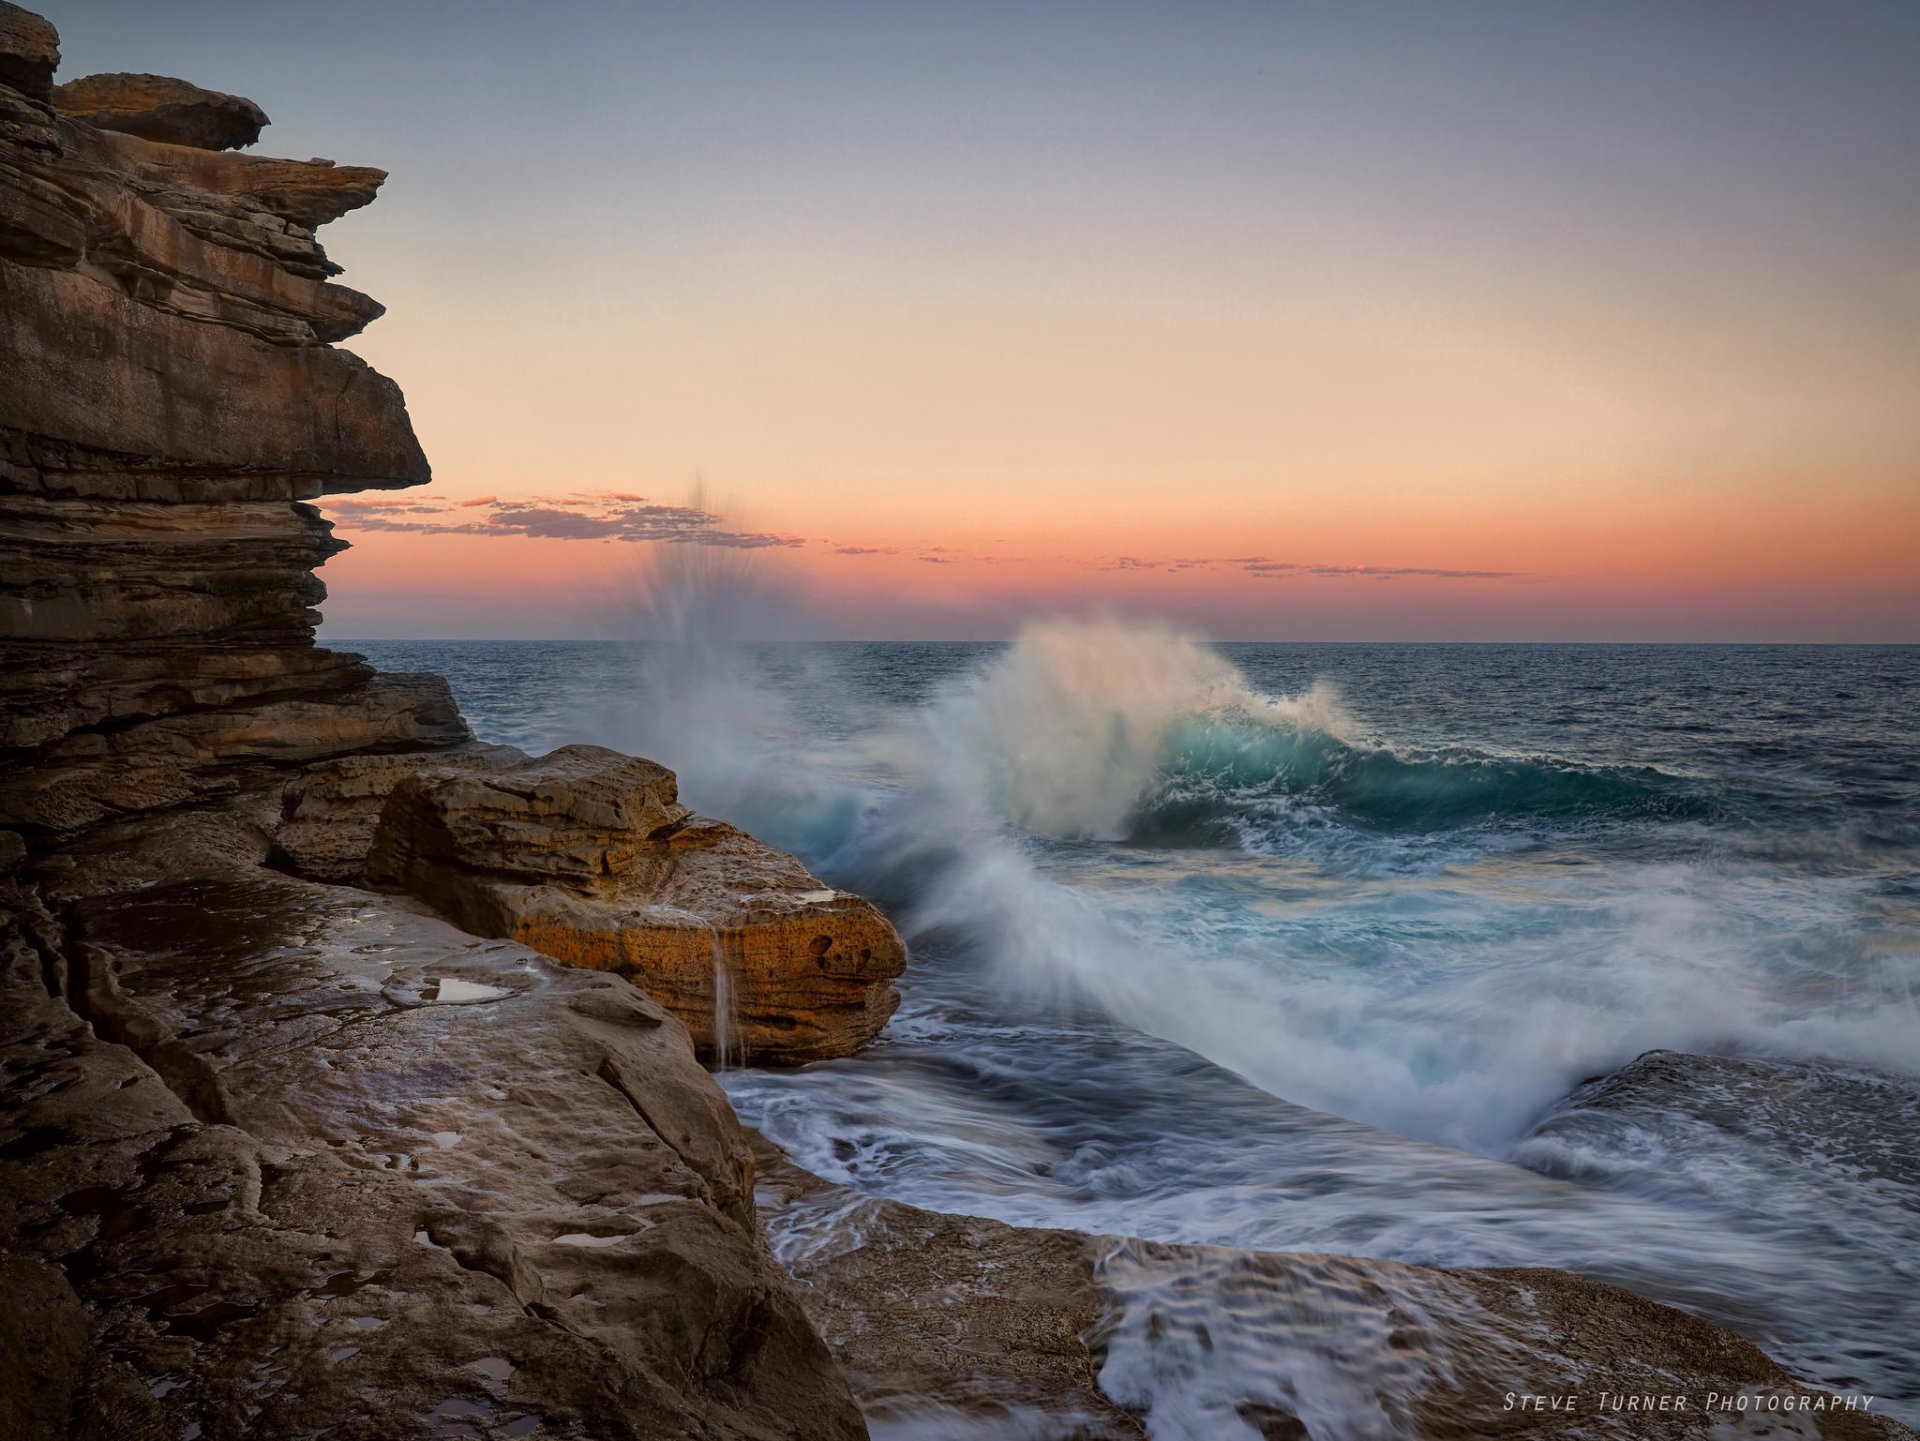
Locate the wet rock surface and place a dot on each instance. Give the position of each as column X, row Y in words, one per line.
column 290, row 1158
column 953, row 1322
column 588, row 856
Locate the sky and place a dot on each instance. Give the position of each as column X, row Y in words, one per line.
column 1483, row 321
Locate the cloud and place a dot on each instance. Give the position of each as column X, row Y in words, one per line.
column 376, row 506
column 739, row 540
column 614, row 515
column 619, row 515
column 1393, row 572
column 1262, row 567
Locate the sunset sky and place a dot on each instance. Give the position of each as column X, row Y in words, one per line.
column 1523, row 320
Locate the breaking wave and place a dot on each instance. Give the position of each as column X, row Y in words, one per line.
column 1115, row 733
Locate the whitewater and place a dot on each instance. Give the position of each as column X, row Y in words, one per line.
column 1307, row 947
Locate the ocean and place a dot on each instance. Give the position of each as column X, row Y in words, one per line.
column 1305, row 947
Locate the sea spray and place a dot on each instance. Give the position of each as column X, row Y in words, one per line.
column 1070, row 729
column 970, row 815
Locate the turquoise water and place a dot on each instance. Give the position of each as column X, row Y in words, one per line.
column 1296, row 946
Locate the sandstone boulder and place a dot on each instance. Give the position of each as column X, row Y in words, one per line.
column 582, row 816
column 158, row 107
column 587, row 855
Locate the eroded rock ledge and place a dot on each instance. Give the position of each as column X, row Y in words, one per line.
column 286, row 1159
column 588, row 856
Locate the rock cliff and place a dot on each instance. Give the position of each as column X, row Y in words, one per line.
column 171, row 400
column 283, row 1157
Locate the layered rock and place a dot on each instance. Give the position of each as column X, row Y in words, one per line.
column 588, row 856
column 332, row 809
column 170, row 400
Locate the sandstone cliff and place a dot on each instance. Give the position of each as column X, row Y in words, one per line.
column 285, row 1158
column 171, row 399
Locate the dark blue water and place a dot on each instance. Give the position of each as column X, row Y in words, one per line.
column 1294, row 946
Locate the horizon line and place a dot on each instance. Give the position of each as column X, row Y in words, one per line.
column 1008, row 640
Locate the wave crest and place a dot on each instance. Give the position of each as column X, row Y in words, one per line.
column 1112, row 732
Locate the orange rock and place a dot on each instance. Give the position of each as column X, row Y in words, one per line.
column 587, row 855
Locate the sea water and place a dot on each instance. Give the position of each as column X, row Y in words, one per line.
column 1297, row 946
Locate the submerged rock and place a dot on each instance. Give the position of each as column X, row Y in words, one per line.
column 588, row 856
column 1823, row 1159
column 158, row 107
column 960, row 1325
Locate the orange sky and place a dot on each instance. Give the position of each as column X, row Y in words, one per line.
column 1748, row 475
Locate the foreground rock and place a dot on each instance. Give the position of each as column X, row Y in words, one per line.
column 946, row 1323
column 287, row 1159
column 588, row 856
